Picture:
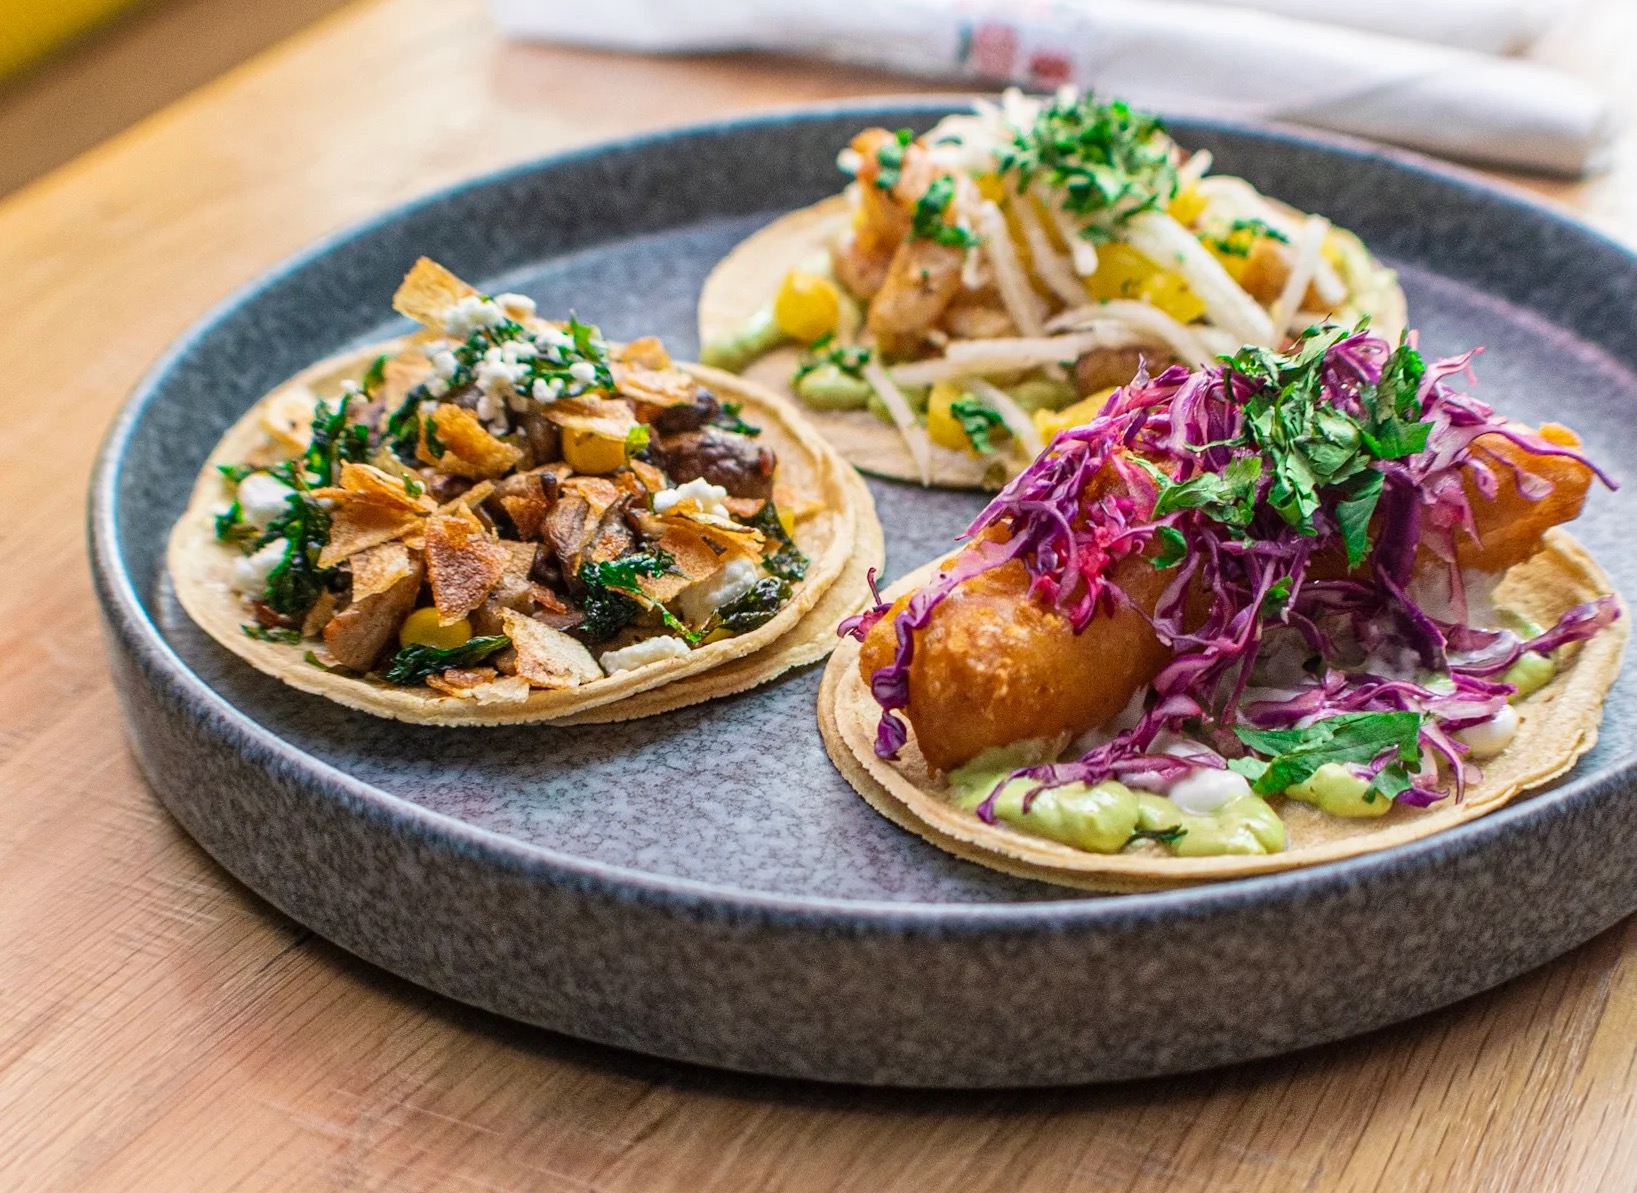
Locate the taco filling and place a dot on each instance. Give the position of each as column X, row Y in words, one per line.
column 505, row 505
column 984, row 285
column 1285, row 579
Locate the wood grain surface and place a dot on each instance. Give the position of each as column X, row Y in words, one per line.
column 162, row 1029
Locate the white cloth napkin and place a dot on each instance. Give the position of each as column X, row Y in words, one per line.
column 1165, row 54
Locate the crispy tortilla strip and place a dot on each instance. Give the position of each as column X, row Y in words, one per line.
column 370, row 481
column 363, row 522
column 528, row 513
column 427, row 291
column 649, row 352
column 482, row 684
column 654, row 387
column 693, row 556
column 378, row 568
column 288, row 419
column 548, row 658
column 468, row 449
column 463, row 563
column 608, row 418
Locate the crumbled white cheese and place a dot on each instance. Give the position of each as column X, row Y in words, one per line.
column 471, row 314
column 547, row 389
column 1205, row 789
column 262, row 498
column 583, row 371
column 697, row 496
column 436, row 386
column 250, row 573
column 722, row 587
column 1489, row 738
column 551, row 337
column 444, row 363
column 518, row 306
column 640, row 654
column 498, row 378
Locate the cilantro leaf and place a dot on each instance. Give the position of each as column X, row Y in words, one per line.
column 1294, row 755
column 1228, row 496
column 1173, row 547
column 844, row 358
column 977, row 420
column 1353, row 514
column 927, row 220
column 730, row 421
column 414, row 663
column 890, row 157
column 610, row 586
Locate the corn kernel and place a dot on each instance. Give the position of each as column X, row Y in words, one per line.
column 421, row 628
column 1167, row 291
column 807, row 306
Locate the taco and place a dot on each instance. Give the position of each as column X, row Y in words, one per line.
column 979, row 288
column 502, row 519
column 1283, row 610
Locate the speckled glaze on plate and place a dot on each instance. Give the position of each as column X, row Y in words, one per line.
column 703, row 885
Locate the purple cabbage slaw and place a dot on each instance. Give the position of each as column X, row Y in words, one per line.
column 1069, row 532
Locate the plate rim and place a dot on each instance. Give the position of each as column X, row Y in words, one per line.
column 126, row 616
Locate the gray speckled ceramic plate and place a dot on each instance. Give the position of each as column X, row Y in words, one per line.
column 704, row 885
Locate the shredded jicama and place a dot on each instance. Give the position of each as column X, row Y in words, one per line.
column 983, row 358
column 1049, row 265
column 1149, row 321
column 1235, row 199
column 1161, row 239
column 1017, row 419
column 1307, row 246
column 915, row 435
column 1191, row 171
column 1082, row 252
column 1021, row 302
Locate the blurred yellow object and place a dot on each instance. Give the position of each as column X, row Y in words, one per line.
column 29, row 29
column 1187, row 206
column 807, row 306
column 941, row 424
column 1052, row 422
column 1123, row 272
column 1171, row 294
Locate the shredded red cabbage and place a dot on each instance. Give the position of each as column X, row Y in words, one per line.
column 1154, row 474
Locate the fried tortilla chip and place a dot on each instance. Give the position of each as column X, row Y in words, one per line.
column 548, row 658
column 427, row 291
column 468, row 449
column 378, row 568
column 485, row 685
column 462, row 563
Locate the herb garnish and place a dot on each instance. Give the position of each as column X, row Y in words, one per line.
column 609, row 588
column 787, row 562
column 1356, row 739
column 1242, row 235
column 231, row 526
column 334, row 440
column 1160, row 836
column 848, row 359
column 890, row 157
column 414, row 663
column 294, row 584
column 283, row 634
column 235, row 472
column 1109, row 162
column 730, row 421
column 977, row 420
column 927, row 220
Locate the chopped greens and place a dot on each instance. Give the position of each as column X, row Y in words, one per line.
column 730, row 421
column 927, row 221
column 1350, row 739
column 787, row 562
column 890, row 157
column 755, row 608
column 414, row 663
column 1160, row 836
column 610, row 587
column 1173, row 547
column 1228, row 496
column 1242, row 235
column 261, row 633
column 294, row 584
column 978, row 421
column 1109, row 162
column 235, row 472
column 231, row 526
column 848, row 359
column 334, row 440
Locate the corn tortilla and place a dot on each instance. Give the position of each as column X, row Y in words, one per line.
column 1557, row 725
column 841, row 539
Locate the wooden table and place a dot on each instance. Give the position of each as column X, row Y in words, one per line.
column 163, row 1029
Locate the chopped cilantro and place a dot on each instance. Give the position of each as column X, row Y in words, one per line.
column 1228, row 496
column 1242, row 235
column 927, row 220
column 977, row 420
column 1293, row 755
column 787, row 562
column 1109, row 162
column 433, row 444
column 890, row 157
column 825, row 351
column 730, row 421
column 1173, row 547
column 412, row 664
column 413, row 487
